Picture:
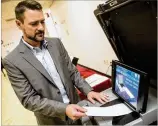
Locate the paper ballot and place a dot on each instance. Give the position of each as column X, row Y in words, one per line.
column 95, row 79
column 114, row 110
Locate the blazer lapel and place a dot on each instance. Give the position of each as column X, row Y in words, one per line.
column 28, row 56
column 53, row 52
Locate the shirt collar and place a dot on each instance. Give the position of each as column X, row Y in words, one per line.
column 44, row 44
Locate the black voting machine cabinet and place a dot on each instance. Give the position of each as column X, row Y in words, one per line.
column 131, row 28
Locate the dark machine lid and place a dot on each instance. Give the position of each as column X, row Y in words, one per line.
column 131, row 28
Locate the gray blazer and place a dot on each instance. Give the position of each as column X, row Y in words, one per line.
column 35, row 88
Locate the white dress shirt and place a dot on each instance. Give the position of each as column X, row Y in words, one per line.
column 44, row 57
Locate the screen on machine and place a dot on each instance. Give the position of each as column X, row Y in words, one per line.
column 127, row 85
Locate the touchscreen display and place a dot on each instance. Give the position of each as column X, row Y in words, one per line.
column 127, row 84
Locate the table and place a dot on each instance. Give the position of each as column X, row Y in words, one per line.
column 98, row 87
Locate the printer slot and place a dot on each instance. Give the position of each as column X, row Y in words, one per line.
column 125, row 119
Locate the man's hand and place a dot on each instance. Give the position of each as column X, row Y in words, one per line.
column 101, row 97
column 75, row 112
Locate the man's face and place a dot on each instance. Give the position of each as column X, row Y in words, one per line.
column 33, row 26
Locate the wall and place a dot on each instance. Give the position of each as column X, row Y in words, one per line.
column 82, row 35
column 11, row 36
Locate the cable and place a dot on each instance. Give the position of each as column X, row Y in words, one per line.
column 108, row 67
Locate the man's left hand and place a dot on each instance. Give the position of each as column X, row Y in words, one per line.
column 101, row 97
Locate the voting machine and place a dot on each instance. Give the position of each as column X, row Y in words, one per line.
column 131, row 28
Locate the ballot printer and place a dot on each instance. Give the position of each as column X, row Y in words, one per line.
column 131, row 28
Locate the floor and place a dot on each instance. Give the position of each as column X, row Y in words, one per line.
column 13, row 113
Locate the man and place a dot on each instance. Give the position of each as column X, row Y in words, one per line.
column 41, row 72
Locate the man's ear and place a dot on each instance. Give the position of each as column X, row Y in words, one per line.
column 19, row 24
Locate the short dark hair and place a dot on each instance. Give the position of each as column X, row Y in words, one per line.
column 26, row 4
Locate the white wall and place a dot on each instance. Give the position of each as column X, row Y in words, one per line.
column 82, row 35
column 11, row 36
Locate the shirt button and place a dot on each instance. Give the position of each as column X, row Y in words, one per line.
column 58, row 92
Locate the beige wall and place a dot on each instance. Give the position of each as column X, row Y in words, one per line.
column 82, row 35
column 10, row 36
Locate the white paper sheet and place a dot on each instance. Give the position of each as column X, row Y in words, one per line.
column 114, row 110
column 95, row 79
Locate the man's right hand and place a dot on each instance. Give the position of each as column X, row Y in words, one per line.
column 75, row 112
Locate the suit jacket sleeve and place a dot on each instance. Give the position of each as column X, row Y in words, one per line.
column 77, row 80
column 29, row 98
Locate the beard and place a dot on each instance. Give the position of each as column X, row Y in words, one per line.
column 38, row 37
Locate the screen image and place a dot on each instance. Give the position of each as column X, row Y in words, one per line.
column 127, row 84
